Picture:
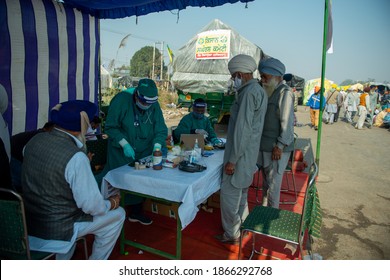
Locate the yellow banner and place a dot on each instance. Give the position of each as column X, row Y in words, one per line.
column 213, row 44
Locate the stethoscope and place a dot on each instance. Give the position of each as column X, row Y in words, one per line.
column 136, row 118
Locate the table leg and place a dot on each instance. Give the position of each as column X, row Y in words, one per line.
column 124, row 241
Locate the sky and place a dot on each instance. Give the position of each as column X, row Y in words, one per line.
column 291, row 31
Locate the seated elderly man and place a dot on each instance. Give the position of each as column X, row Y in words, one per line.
column 61, row 195
column 196, row 123
column 18, row 142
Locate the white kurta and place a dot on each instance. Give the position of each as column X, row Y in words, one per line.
column 88, row 198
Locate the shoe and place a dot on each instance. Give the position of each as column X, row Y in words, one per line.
column 224, row 239
column 140, row 219
column 316, row 128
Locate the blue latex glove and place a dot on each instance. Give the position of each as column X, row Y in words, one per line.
column 128, row 151
column 218, row 143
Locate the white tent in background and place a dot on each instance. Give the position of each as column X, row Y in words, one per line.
column 105, row 79
column 357, row 86
column 309, row 87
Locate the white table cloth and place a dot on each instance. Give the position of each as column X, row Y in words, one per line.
column 172, row 184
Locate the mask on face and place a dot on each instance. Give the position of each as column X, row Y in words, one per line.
column 237, row 82
column 197, row 116
column 142, row 106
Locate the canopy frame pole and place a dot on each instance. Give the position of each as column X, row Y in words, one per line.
column 99, row 74
column 318, row 148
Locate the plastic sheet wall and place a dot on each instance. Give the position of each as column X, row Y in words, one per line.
column 209, row 75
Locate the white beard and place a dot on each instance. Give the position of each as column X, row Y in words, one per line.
column 270, row 86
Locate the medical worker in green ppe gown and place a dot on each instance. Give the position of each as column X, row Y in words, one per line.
column 135, row 126
column 196, row 123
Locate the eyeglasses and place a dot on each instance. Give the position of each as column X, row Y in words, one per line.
column 236, row 74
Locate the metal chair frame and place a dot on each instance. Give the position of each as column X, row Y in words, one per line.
column 302, row 218
column 290, row 170
column 287, row 172
column 11, row 198
column 257, row 185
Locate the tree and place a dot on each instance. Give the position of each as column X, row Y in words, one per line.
column 347, row 82
column 141, row 64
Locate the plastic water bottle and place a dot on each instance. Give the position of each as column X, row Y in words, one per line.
column 197, row 151
column 171, row 141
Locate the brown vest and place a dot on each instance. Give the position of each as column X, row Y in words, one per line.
column 363, row 99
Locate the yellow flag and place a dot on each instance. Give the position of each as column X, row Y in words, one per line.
column 170, row 53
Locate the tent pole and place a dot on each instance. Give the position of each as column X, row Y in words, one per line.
column 162, row 52
column 99, row 74
column 318, row 148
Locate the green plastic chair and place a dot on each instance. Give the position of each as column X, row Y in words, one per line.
column 14, row 243
column 285, row 225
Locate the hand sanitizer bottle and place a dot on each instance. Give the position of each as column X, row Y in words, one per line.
column 198, row 151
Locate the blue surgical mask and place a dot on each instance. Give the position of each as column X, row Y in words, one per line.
column 237, row 82
column 141, row 106
column 197, row 115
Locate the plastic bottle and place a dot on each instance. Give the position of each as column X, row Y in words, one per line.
column 171, row 141
column 197, row 150
column 157, row 159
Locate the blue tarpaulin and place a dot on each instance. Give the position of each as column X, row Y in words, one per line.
column 49, row 51
column 126, row 8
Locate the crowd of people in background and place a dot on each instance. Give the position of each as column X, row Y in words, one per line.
column 362, row 108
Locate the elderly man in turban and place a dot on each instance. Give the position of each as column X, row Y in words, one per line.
column 61, row 195
column 242, row 146
column 277, row 140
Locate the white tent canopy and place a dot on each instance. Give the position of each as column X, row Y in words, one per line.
column 201, row 65
column 105, row 78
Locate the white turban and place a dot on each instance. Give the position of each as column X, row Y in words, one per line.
column 242, row 63
column 3, row 100
column 272, row 66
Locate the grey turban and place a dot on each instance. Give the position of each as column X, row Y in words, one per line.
column 242, row 63
column 3, row 100
column 272, row 66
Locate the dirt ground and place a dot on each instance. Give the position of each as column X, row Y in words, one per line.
column 354, row 189
column 353, row 185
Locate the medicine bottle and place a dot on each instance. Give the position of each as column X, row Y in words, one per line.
column 157, row 159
